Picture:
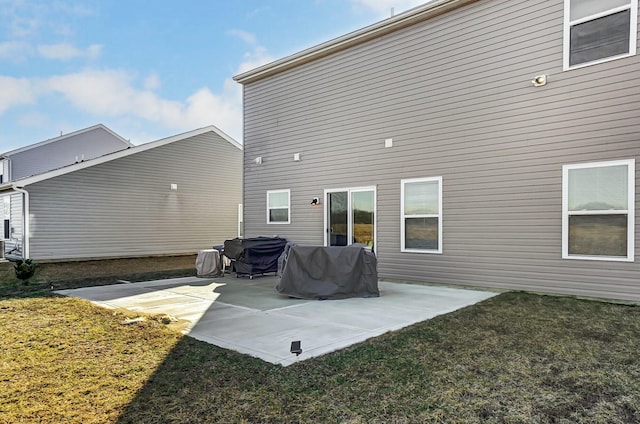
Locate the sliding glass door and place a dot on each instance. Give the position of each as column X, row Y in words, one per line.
column 350, row 216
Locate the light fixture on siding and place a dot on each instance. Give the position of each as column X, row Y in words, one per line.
column 174, row 187
column 539, row 80
column 258, row 160
column 315, row 201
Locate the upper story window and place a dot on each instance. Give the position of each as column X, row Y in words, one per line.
column 598, row 210
column 4, row 171
column 599, row 30
column 278, row 202
column 421, row 225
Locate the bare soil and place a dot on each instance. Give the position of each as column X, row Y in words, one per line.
column 108, row 271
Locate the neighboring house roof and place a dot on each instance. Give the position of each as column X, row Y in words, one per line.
column 403, row 20
column 62, row 137
column 117, row 155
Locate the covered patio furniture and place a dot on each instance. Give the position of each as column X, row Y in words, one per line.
column 254, row 256
column 334, row 272
column 208, row 263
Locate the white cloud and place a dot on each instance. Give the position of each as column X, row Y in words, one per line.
column 14, row 51
column 24, row 27
column 93, row 51
column 245, row 36
column 152, row 82
column 206, row 108
column 27, row 18
column 15, row 91
column 254, row 59
column 384, row 6
column 113, row 93
column 73, row 9
column 66, row 51
column 258, row 11
column 34, row 120
column 119, row 94
column 108, row 92
column 17, row 51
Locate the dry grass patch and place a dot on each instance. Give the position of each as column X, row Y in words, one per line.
column 515, row 358
column 65, row 360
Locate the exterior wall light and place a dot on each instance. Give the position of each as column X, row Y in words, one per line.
column 539, row 81
column 315, row 201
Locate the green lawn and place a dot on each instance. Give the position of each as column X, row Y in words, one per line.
column 515, row 358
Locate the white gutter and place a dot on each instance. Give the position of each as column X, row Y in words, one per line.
column 25, row 220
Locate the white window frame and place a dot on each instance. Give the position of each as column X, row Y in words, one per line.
column 404, row 216
column 288, row 221
column 630, row 211
column 350, row 229
column 633, row 36
column 4, row 171
column 240, row 221
column 5, row 204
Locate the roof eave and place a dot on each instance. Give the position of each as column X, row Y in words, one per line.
column 64, row 136
column 123, row 153
column 403, row 20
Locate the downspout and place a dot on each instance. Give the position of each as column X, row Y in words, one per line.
column 25, row 220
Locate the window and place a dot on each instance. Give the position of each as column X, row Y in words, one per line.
column 598, row 210
column 421, row 211
column 240, row 221
column 278, row 207
column 599, row 30
column 6, row 217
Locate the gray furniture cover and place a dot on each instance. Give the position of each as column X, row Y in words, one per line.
column 208, row 263
column 257, row 255
column 315, row 272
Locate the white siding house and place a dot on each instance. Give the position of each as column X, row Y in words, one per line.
column 489, row 143
column 171, row 196
column 34, row 159
column 57, row 152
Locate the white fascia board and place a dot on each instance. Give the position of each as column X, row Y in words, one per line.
column 403, row 20
column 120, row 154
column 6, row 187
column 116, row 135
column 62, row 137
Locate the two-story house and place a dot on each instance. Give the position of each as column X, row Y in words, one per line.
column 171, row 196
column 486, row 143
column 38, row 158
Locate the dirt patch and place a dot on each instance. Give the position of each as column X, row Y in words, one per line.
column 108, row 271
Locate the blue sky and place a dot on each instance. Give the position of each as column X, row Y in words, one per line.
column 151, row 69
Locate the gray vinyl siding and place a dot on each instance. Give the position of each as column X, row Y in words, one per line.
column 125, row 208
column 455, row 94
column 88, row 145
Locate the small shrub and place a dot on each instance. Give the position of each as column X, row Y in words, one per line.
column 25, row 268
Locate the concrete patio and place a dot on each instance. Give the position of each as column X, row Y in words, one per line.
column 250, row 317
